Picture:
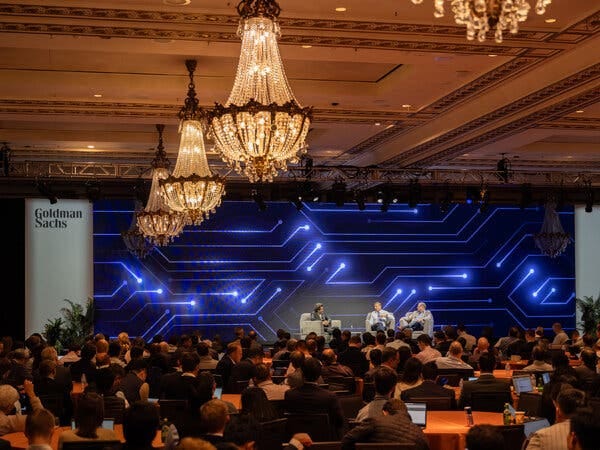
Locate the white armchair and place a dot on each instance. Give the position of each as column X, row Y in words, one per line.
column 427, row 326
column 309, row 326
column 391, row 322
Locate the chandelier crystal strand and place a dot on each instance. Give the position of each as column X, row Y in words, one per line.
column 134, row 240
column 192, row 189
column 479, row 16
column 262, row 127
column 158, row 222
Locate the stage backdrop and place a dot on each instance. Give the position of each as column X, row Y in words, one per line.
column 262, row 270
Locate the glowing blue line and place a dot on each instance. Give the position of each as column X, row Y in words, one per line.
column 138, row 279
column 245, row 299
column 529, row 273
column 340, row 267
column 155, row 322
column 266, row 325
column 396, row 294
column 277, row 291
column 303, row 227
column 490, row 309
column 572, row 296
column 548, row 279
column 309, row 268
column 153, row 291
column 201, row 230
column 376, row 208
column 412, row 292
column 180, row 325
column 317, row 247
column 124, row 283
column 487, row 300
column 510, row 252
column 548, row 295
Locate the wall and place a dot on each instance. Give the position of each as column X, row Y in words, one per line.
column 587, row 252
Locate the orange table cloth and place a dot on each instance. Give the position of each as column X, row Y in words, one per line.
column 447, row 430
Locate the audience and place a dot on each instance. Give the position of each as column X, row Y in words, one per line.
column 39, row 428
column 486, row 383
column 584, row 427
column 429, row 388
column 385, row 380
column 140, row 422
column 485, row 437
column 9, row 396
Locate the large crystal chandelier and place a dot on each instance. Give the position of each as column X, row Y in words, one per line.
column 481, row 15
column 134, row 240
column 552, row 239
column 158, row 222
column 192, row 189
column 262, row 127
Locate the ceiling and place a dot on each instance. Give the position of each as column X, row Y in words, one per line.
column 392, row 87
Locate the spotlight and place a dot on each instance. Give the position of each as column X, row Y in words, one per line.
column 258, row 199
column 383, row 198
column 414, row 193
column 359, row 198
column 298, row 202
column 338, row 192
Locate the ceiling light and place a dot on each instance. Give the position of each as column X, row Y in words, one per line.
column 480, row 16
column 550, row 20
column 177, row 2
column 406, row 105
column 158, row 222
column 262, row 127
column 492, row 55
column 98, row 95
column 307, row 46
column 340, row 9
column 91, row 146
column 377, row 124
column 192, row 188
column 580, row 111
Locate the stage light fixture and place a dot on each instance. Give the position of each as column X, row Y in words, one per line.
column 338, row 192
column 298, row 202
column 258, row 199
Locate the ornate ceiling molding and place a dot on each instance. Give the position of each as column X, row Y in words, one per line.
column 527, row 164
column 541, row 95
column 571, row 123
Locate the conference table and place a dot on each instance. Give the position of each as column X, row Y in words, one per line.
column 18, row 440
column 447, row 430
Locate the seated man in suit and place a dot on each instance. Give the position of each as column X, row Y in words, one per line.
column 415, row 320
column 319, row 314
column 429, row 388
column 486, row 383
column 379, row 319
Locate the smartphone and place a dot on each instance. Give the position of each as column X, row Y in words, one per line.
column 108, row 423
column 218, row 392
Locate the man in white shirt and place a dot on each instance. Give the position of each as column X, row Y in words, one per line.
column 470, row 340
column 427, row 353
column 379, row 319
column 555, row 437
column 262, row 379
column 454, row 358
column 560, row 336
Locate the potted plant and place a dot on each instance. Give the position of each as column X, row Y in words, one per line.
column 590, row 313
column 76, row 323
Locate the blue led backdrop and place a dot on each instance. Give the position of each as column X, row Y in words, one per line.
column 262, row 270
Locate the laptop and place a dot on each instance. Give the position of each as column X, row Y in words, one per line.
column 534, row 425
column 545, row 377
column 417, row 413
column 522, row 384
column 218, row 392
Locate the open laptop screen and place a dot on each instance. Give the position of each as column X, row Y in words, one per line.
column 534, row 425
column 546, row 377
column 418, row 413
column 522, row 384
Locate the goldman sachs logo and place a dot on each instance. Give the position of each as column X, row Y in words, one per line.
column 55, row 218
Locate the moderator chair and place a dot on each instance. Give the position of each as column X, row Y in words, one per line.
column 427, row 328
column 310, row 326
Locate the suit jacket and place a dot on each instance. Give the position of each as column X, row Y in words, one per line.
column 356, row 360
column 243, row 371
column 224, row 368
column 550, row 438
column 310, row 398
column 486, row 383
column 429, row 389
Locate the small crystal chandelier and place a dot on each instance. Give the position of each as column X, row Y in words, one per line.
column 157, row 222
column 192, row 189
column 262, row 128
column 481, row 15
column 552, row 239
column 134, row 240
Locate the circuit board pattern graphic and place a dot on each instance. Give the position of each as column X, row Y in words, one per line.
column 262, row 270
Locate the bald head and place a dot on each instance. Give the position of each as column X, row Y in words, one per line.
column 483, row 344
column 455, row 349
column 329, row 356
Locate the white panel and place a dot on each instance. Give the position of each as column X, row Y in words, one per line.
column 587, row 253
column 58, row 258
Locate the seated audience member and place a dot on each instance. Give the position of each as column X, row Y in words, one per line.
column 354, row 358
column 483, row 346
column 411, row 377
column 189, row 443
column 89, row 414
column 560, row 337
column 454, row 358
column 429, row 388
column 262, row 379
column 85, row 366
column 19, row 368
column 470, row 340
column 398, row 341
column 385, row 380
column 226, row 364
column 207, row 362
column 503, row 343
column 245, row 369
column 393, row 424
column 566, row 403
column 134, row 385
column 415, row 320
column 427, row 352
column 485, row 383
column 539, row 363
column 47, row 386
column 332, row 368
column 140, row 422
column 39, row 428
column 310, row 398
column 441, row 343
column 336, row 339
column 583, row 435
column 485, row 437
column 529, row 344
column 379, row 319
column 374, row 364
column 586, row 373
column 294, row 377
column 9, row 421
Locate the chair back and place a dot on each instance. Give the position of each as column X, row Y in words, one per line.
column 239, row 386
column 174, row 410
column 271, row 434
column 368, row 391
column 450, row 379
column 513, row 436
column 316, row 425
column 53, row 403
column 341, row 384
column 489, row 401
column 384, row 445
column 92, row 445
column 434, row 403
column 114, row 407
column 350, row 405
column 531, row 403
column 279, row 406
column 280, row 363
column 462, row 373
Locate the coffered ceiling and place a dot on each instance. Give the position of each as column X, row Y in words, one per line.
column 82, row 84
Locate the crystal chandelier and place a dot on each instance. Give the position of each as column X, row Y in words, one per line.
column 481, row 15
column 192, row 189
column 157, row 222
column 262, row 127
column 134, row 240
column 552, row 239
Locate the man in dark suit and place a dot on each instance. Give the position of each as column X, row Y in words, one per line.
column 319, row 314
column 312, row 399
column 56, row 396
column 354, row 358
column 245, row 370
column 486, row 383
column 183, row 385
column 429, row 388
column 232, row 356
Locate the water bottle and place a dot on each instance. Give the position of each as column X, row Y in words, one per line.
column 469, row 416
column 532, row 377
column 506, row 415
column 507, row 368
column 83, row 381
column 164, row 430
